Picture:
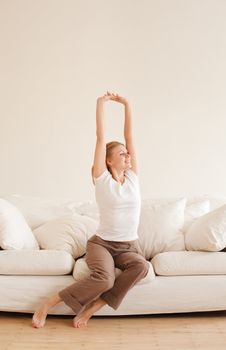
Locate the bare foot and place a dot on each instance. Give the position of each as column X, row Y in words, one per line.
column 81, row 319
column 39, row 317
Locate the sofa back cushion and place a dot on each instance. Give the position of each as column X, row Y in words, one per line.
column 14, row 230
column 156, row 213
column 160, row 227
column 38, row 210
column 208, row 232
column 193, row 210
column 69, row 233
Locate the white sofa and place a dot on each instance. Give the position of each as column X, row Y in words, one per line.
column 187, row 270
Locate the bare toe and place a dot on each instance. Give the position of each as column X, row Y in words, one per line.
column 39, row 318
column 81, row 320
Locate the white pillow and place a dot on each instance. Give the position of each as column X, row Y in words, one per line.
column 38, row 210
column 14, row 230
column 194, row 210
column 160, row 227
column 88, row 208
column 69, row 233
column 208, row 232
column 195, row 207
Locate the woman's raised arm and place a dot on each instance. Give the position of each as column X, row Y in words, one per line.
column 129, row 139
column 128, row 131
column 99, row 163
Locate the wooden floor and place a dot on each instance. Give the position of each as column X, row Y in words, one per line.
column 169, row 332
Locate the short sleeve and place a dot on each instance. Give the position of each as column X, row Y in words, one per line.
column 102, row 177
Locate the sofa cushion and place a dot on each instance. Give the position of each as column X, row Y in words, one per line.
column 35, row 262
column 38, row 210
column 69, row 233
column 193, row 210
column 14, row 230
column 189, row 263
column 195, row 207
column 160, row 227
column 208, row 232
column 88, row 208
column 81, row 270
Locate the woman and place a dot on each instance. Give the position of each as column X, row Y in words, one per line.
column 115, row 244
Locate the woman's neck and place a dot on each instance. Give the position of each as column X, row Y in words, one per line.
column 119, row 176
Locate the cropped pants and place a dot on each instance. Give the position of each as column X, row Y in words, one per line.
column 102, row 257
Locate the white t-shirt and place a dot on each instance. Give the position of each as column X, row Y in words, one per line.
column 119, row 206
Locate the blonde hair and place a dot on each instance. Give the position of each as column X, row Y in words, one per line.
column 109, row 149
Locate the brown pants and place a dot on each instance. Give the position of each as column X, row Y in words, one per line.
column 102, row 257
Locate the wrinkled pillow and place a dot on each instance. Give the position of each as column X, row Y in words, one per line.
column 14, row 230
column 88, row 208
column 194, row 210
column 37, row 210
column 160, row 227
column 69, row 233
column 195, row 207
column 208, row 232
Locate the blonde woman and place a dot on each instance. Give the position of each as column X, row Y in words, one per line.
column 115, row 243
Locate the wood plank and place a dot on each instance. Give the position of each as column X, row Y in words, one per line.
column 163, row 332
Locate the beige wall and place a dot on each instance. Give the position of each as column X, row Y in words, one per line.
column 166, row 56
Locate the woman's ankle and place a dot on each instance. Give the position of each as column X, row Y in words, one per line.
column 52, row 301
column 95, row 305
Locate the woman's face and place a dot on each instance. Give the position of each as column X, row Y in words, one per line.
column 119, row 159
